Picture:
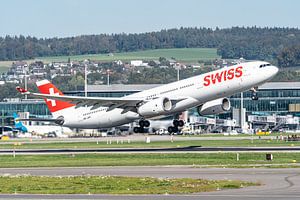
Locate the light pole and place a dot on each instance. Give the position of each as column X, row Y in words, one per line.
column 25, row 79
column 85, row 77
column 242, row 116
column 107, row 77
column 2, row 120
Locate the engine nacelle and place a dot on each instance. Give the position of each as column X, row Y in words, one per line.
column 214, row 107
column 155, row 106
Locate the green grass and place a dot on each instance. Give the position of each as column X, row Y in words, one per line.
column 4, row 66
column 153, row 159
column 153, row 144
column 3, row 69
column 112, row 185
column 180, row 54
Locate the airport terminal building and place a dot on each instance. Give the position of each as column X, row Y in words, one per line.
column 280, row 98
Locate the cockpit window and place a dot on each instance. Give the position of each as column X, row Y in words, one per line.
column 264, row 65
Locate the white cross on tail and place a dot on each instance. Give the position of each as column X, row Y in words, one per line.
column 51, row 92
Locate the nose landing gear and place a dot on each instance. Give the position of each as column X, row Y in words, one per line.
column 254, row 94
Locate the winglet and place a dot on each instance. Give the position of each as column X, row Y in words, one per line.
column 21, row 90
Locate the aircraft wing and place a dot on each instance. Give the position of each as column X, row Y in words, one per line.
column 87, row 101
column 95, row 102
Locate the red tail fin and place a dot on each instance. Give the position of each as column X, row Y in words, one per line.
column 46, row 87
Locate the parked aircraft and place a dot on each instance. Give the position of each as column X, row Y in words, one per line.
column 206, row 92
column 7, row 131
column 41, row 130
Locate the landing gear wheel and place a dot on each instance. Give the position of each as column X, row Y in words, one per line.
column 176, row 123
column 138, row 130
column 175, row 129
column 180, row 123
column 172, row 129
column 144, row 123
column 254, row 96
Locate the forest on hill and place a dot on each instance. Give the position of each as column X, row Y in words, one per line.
column 247, row 42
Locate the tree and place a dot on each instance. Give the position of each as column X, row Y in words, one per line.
column 8, row 90
column 76, row 82
column 235, row 42
column 289, row 56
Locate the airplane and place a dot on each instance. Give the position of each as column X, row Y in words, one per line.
column 7, row 131
column 18, row 124
column 42, row 130
column 207, row 92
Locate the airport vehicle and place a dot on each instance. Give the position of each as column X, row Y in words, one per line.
column 40, row 130
column 7, row 131
column 4, row 137
column 262, row 132
column 207, row 92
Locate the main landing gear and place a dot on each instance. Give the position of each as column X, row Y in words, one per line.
column 140, row 129
column 176, row 124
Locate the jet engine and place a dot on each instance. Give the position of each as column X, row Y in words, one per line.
column 214, row 107
column 155, row 106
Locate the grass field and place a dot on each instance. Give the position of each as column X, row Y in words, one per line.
column 157, row 144
column 153, row 159
column 180, row 54
column 112, row 185
column 4, row 66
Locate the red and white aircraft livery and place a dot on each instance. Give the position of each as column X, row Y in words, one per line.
column 207, row 92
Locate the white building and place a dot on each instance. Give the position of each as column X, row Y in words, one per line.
column 136, row 63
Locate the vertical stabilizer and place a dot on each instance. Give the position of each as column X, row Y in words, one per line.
column 46, row 87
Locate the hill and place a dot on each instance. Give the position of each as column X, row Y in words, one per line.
column 252, row 43
column 179, row 54
column 185, row 55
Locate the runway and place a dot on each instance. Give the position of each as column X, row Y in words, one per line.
column 133, row 138
column 277, row 183
column 189, row 149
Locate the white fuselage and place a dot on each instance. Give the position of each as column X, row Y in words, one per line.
column 194, row 91
column 45, row 129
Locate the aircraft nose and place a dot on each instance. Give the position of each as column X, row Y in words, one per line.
column 270, row 71
column 274, row 70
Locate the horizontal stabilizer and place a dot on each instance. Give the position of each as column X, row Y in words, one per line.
column 58, row 121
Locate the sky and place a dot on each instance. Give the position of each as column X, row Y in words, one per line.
column 64, row 18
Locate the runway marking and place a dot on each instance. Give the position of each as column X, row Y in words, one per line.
column 189, row 149
column 291, row 183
